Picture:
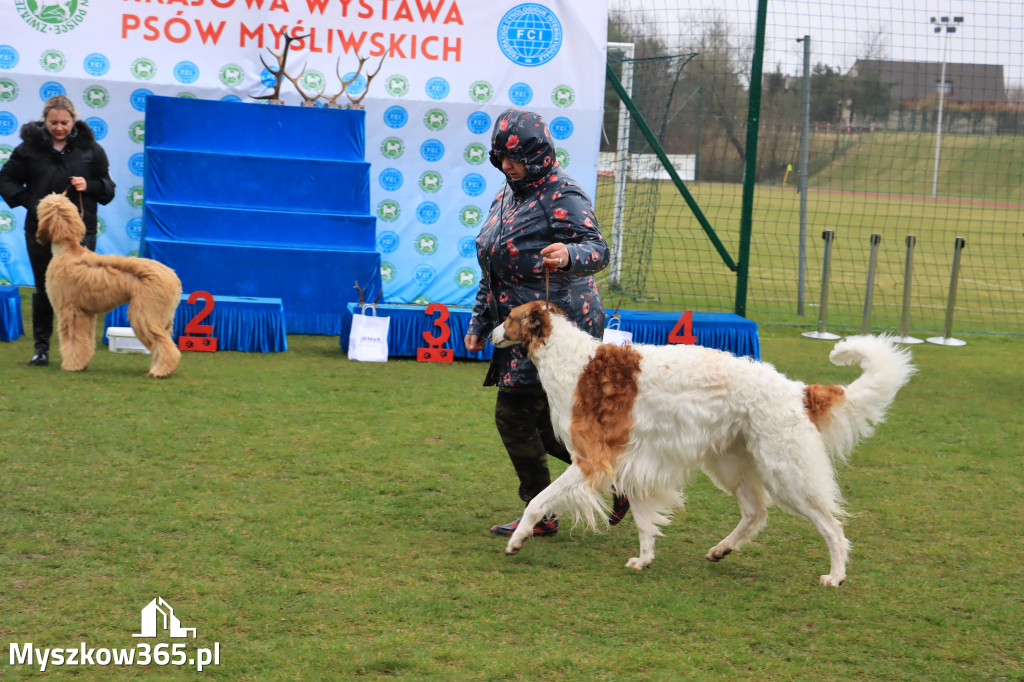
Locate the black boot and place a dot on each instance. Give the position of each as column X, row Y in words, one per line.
column 42, row 329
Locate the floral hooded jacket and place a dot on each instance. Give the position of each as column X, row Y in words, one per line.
column 527, row 215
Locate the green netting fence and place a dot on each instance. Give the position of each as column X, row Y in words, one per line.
column 872, row 119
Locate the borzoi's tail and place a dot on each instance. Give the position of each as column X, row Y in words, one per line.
column 886, row 369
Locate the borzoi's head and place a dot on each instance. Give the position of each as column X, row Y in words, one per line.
column 528, row 325
column 59, row 221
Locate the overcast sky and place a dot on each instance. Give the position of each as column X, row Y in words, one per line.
column 992, row 31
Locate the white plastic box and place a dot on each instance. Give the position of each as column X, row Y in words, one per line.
column 123, row 340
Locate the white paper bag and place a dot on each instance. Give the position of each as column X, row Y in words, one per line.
column 616, row 336
column 368, row 339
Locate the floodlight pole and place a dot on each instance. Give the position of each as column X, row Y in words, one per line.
column 941, row 25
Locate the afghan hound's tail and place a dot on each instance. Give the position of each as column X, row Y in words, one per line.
column 853, row 414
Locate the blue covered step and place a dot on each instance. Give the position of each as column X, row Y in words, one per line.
column 241, row 181
column 258, row 227
column 264, row 130
column 315, row 285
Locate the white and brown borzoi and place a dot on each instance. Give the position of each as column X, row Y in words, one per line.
column 644, row 418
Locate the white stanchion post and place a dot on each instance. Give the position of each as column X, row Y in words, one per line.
column 908, row 272
column 947, row 339
column 826, row 272
column 865, row 324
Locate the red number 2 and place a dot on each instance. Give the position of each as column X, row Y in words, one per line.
column 686, row 324
column 193, row 327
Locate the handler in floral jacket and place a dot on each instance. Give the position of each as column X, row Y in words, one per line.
column 540, row 220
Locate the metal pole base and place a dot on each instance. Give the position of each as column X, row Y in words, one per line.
column 907, row 339
column 946, row 341
column 820, row 335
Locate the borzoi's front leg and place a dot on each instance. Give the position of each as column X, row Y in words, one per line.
column 551, row 499
column 644, row 516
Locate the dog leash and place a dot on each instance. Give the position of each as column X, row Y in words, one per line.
column 81, row 206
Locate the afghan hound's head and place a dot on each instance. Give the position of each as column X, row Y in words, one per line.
column 59, row 221
column 528, row 325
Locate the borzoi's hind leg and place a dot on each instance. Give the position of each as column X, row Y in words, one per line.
column 838, row 546
column 549, row 500
column 644, row 517
column 753, row 517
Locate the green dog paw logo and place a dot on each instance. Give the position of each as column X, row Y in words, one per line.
column 396, row 86
column 563, row 96
column 231, row 75
column 143, row 69
column 435, row 120
column 96, row 96
column 392, row 148
column 431, row 182
column 53, row 61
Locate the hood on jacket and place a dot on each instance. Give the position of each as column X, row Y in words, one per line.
column 523, row 136
column 36, row 134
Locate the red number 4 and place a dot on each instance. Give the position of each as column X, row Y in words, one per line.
column 685, row 324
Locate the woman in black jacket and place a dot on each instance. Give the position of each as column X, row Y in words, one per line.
column 56, row 154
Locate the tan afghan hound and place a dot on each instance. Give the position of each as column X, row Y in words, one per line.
column 82, row 284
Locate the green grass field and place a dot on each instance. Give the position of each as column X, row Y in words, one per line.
column 320, row 519
column 881, row 183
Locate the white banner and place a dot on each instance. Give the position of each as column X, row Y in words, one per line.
column 442, row 72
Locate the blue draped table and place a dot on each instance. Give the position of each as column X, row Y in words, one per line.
column 11, row 325
column 254, row 325
column 724, row 331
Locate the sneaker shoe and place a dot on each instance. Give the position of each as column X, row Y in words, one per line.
column 620, row 505
column 547, row 526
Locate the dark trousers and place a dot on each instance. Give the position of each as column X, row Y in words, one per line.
column 42, row 312
column 524, row 424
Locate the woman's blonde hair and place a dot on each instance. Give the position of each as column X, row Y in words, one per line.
column 59, row 102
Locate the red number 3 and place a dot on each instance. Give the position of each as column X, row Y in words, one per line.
column 440, row 321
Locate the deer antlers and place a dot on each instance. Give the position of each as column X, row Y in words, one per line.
column 281, row 59
column 369, row 79
column 332, row 101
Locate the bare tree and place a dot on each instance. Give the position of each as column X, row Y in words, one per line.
column 874, row 43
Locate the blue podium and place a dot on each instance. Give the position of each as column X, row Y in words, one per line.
column 11, row 325
column 723, row 331
column 262, row 201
